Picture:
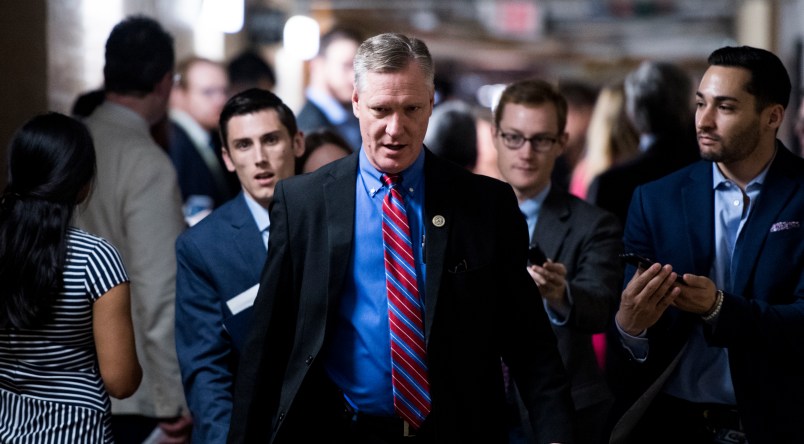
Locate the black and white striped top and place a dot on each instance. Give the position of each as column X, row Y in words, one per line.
column 50, row 385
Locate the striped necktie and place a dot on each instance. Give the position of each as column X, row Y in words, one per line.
column 408, row 356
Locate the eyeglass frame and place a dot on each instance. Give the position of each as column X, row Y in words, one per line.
column 538, row 142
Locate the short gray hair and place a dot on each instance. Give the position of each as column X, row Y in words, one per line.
column 392, row 52
column 658, row 97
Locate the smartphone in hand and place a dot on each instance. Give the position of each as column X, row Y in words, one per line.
column 643, row 262
column 637, row 260
column 536, row 256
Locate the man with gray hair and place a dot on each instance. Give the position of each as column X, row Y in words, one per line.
column 658, row 104
column 394, row 284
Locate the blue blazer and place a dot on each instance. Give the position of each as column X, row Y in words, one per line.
column 195, row 177
column 762, row 319
column 217, row 259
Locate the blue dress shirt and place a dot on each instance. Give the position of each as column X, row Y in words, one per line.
column 358, row 359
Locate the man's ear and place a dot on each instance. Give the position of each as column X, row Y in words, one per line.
column 355, row 103
column 775, row 116
column 227, row 160
column 298, row 144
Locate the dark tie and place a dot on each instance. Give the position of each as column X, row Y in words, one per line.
column 408, row 356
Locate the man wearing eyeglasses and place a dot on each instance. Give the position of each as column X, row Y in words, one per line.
column 198, row 96
column 580, row 278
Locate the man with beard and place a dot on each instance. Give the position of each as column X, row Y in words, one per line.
column 708, row 336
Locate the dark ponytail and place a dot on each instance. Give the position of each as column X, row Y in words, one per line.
column 51, row 166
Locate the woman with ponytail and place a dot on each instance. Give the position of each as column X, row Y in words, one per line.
column 66, row 336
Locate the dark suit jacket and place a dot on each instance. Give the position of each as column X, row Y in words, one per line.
column 218, row 259
column 480, row 305
column 612, row 189
column 587, row 240
column 762, row 319
column 195, row 177
column 312, row 118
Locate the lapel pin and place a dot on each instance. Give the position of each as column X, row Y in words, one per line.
column 439, row 221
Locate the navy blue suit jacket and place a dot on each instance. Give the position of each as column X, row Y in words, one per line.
column 762, row 319
column 218, row 259
column 195, row 177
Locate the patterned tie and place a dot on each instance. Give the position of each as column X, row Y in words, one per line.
column 408, row 366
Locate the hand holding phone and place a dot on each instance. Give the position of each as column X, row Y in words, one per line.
column 644, row 263
column 536, row 256
column 637, row 260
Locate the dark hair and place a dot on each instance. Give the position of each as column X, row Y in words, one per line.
column 248, row 69
column 335, row 34
column 51, row 165
column 452, row 133
column 318, row 138
column 138, row 55
column 531, row 93
column 769, row 82
column 251, row 101
column 86, row 102
column 578, row 93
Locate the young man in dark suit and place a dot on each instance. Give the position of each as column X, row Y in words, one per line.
column 718, row 356
column 580, row 277
column 352, row 295
column 220, row 258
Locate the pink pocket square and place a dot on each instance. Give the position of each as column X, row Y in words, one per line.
column 781, row 226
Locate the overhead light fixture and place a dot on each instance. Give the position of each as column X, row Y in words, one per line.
column 224, row 15
column 300, row 37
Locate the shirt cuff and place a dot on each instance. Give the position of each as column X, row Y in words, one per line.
column 559, row 316
column 637, row 346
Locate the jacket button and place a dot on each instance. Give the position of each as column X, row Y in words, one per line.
column 309, row 360
column 281, row 415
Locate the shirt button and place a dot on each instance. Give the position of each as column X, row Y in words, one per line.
column 736, row 203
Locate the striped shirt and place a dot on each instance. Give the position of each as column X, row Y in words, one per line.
column 50, row 384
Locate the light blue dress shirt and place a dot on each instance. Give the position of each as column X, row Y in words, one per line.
column 358, row 359
column 261, row 217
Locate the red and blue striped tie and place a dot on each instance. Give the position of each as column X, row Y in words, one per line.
column 408, row 356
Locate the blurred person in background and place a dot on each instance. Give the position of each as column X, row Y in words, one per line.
column 329, row 95
column 249, row 70
column 136, row 205
column 581, row 97
column 658, row 104
column 199, row 93
column 321, row 147
column 610, row 139
column 452, row 133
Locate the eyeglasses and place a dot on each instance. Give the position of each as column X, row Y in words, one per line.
column 539, row 142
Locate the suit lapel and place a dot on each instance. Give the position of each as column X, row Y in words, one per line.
column 697, row 206
column 551, row 228
column 436, row 203
column 246, row 235
column 339, row 190
column 777, row 191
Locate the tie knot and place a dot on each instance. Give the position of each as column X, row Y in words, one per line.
column 391, row 179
